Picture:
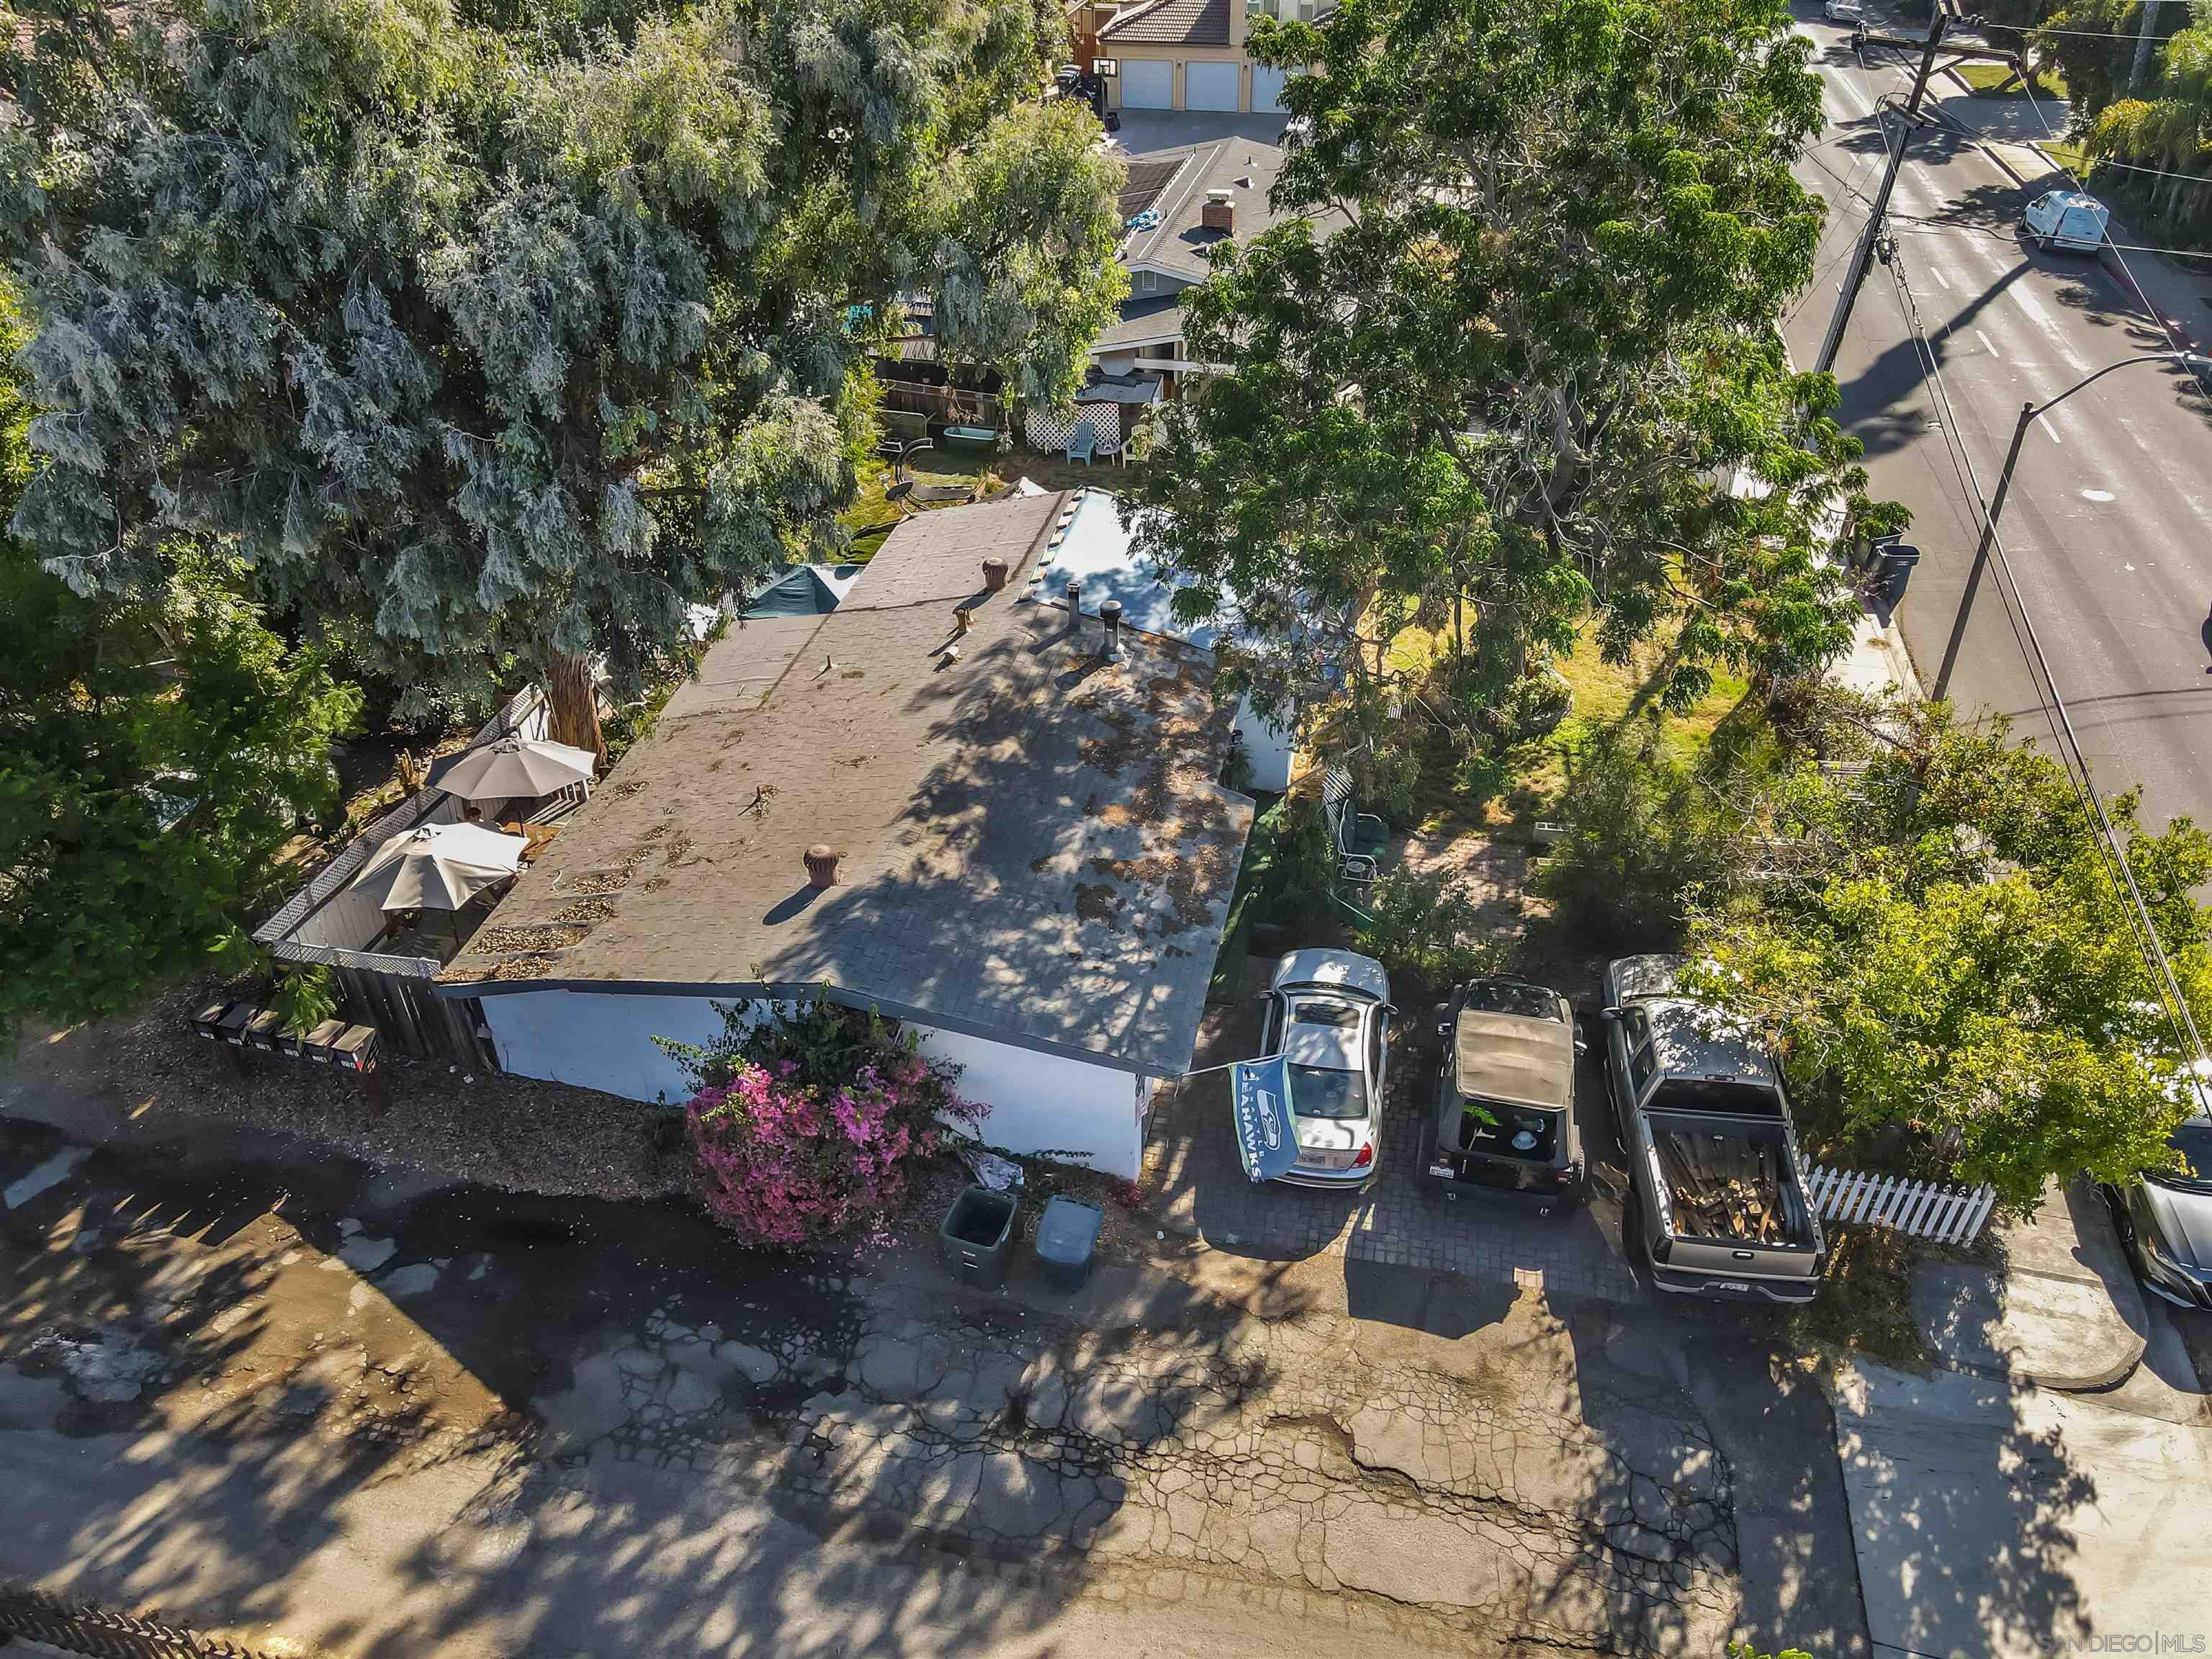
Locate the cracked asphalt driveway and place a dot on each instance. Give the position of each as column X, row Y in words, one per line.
column 295, row 1401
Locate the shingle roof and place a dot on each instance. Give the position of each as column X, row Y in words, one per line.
column 1034, row 847
column 1171, row 23
column 1243, row 167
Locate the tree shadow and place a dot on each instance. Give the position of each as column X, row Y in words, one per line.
column 598, row 1427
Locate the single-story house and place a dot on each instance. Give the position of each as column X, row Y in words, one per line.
column 1033, row 852
column 1094, row 555
column 1189, row 54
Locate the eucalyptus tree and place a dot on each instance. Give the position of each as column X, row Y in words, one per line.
column 1510, row 358
column 494, row 336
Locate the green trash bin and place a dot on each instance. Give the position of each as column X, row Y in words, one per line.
column 977, row 1235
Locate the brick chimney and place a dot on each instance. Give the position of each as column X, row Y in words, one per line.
column 1220, row 212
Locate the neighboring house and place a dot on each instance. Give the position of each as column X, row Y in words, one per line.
column 1095, row 553
column 1178, row 204
column 1189, row 54
column 1034, row 855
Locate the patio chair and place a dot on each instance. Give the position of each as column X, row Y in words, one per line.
column 1358, row 837
column 1082, row 442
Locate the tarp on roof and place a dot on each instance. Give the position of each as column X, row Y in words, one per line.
column 806, row 589
column 1525, row 1062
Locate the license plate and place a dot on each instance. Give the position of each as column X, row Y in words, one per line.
column 1443, row 1169
column 1732, row 1285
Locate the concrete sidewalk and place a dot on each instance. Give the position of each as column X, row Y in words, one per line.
column 2062, row 1309
column 1990, row 1519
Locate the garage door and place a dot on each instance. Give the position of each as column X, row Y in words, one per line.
column 1147, row 84
column 1209, row 86
column 1267, row 88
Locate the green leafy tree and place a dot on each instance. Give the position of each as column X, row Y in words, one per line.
column 500, row 337
column 143, row 795
column 1949, row 950
column 154, row 754
column 1500, row 370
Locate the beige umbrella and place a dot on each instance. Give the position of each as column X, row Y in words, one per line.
column 439, row 866
column 515, row 766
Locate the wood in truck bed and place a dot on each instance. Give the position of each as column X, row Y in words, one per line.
column 1725, row 1187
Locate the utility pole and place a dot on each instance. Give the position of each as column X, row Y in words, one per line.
column 1863, row 259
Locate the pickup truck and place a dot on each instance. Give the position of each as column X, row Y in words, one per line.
column 1712, row 1155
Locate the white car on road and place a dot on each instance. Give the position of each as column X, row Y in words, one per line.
column 1329, row 1013
column 1844, row 11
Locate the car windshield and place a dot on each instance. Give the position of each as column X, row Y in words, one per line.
column 1319, row 1091
column 1324, row 1013
column 1503, row 996
column 2193, row 1140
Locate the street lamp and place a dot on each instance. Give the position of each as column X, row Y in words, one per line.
column 2028, row 411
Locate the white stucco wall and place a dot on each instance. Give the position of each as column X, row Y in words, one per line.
column 1267, row 746
column 1039, row 1103
column 1042, row 1103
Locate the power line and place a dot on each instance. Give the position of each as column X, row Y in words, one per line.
column 2173, row 339
column 2072, row 760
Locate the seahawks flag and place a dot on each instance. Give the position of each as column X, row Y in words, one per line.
column 1260, row 1092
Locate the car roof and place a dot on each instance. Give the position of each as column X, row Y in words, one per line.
column 1525, row 1062
column 1333, row 1047
column 1686, row 1043
column 1647, row 976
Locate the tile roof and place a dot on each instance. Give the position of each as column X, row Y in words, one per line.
column 1034, row 845
column 1171, row 23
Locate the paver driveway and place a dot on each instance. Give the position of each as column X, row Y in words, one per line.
column 1195, row 1185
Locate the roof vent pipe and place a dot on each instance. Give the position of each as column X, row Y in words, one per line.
column 994, row 575
column 820, row 862
column 1109, row 638
column 1074, row 605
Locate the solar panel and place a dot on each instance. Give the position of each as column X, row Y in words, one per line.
column 1146, row 180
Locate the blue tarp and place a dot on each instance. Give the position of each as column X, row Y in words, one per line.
column 807, row 590
column 1259, row 1096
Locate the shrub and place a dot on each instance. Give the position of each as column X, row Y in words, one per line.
column 303, row 998
column 1639, row 841
column 1418, row 927
column 806, row 1124
column 1302, row 874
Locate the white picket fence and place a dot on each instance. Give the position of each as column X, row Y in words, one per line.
column 1918, row 1209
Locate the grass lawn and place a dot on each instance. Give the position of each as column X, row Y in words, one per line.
column 2072, row 157
column 1511, row 790
column 1997, row 80
column 870, row 518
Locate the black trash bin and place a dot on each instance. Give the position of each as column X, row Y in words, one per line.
column 1066, row 1235
column 977, row 1235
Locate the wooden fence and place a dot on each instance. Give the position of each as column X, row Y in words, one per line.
column 1918, row 1209
column 376, row 987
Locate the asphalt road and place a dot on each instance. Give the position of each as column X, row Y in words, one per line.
column 2109, row 521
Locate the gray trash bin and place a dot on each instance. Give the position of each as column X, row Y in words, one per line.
column 977, row 1234
column 1066, row 1235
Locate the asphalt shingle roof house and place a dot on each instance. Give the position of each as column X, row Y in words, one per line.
column 1035, row 856
column 1178, row 204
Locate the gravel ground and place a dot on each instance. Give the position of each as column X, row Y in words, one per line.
column 147, row 1077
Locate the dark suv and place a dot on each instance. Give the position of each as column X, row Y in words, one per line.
column 1505, row 1119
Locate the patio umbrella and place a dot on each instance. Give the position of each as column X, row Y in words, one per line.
column 439, row 866
column 515, row 766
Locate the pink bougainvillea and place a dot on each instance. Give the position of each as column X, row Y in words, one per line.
column 806, row 1124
